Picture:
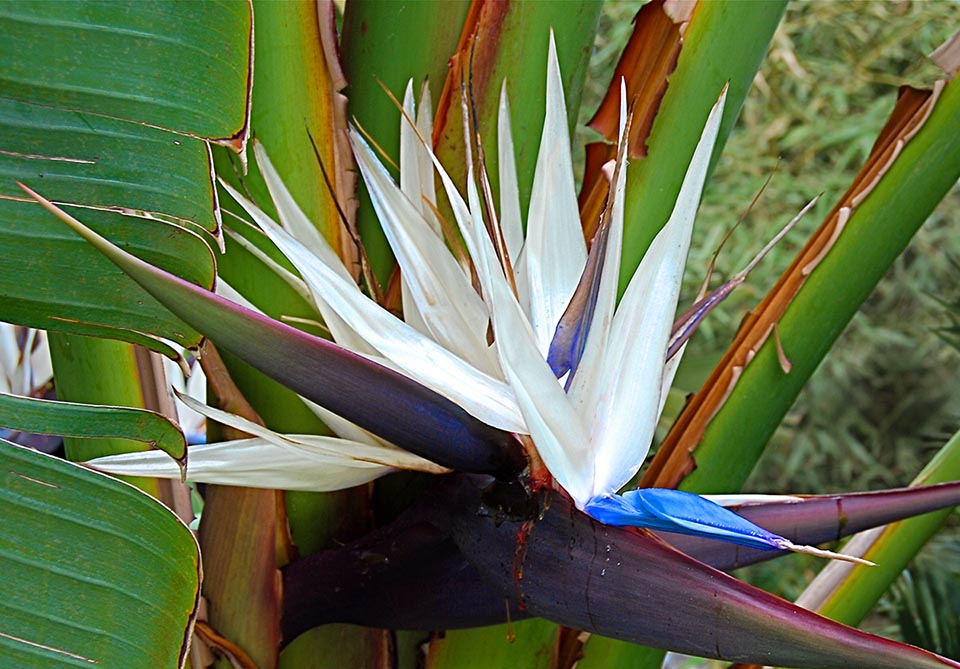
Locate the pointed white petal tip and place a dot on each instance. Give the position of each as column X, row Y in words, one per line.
column 819, row 552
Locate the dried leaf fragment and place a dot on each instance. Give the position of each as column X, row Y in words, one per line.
column 645, row 65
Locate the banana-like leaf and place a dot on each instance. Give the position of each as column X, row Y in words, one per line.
column 69, row 55
column 111, row 584
column 394, row 407
column 71, row 419
column 126, row 140
column 410, row 575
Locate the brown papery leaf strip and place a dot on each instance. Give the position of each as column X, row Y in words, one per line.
column 647, row 61
column 675, row 459
column 484, row 20
column 344, row 168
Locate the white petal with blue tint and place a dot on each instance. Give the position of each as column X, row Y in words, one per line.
column 683, row 513
column 622, row 406
column 452, row 312
column 554, row 253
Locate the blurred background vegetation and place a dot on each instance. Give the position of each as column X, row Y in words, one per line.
column 886, row 398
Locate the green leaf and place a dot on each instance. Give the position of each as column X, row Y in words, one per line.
column 78, row 364
column 102, row 162
column 71, row 419
column 392, row 42
column 878, row 229
column 89, row 93
column 72, row 288
column 108, row 584
column 528, row 643
column 724, row 42
column 154, row 62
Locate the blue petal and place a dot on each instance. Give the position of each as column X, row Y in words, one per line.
column 570, row 337
column 680, row 512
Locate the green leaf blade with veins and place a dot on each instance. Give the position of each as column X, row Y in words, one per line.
column 111, row 584
column 73, row 288
column 115, row 60
column 90, row 107
column 102, row 162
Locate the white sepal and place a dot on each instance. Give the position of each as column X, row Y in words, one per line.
column 330, row 263
column 556, row 429
column 292, row 217
column 374, row 451
column 410, row 184
column 452, row 312
column 622, row 408
column 554, row 254
column 380, row 332
column 251, row 463
column 511, row 222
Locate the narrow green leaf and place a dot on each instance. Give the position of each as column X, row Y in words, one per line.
column 72, row 419
column 78, row 364
column 102, row 162
column 109, row 585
